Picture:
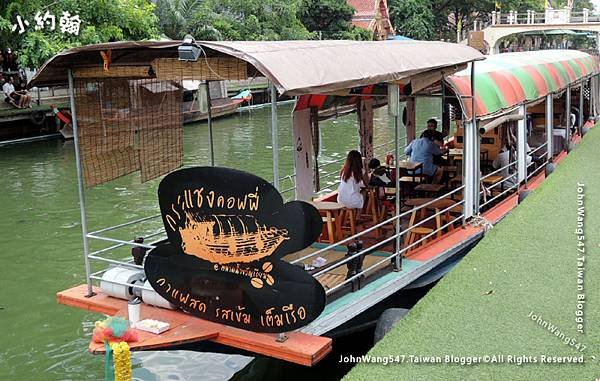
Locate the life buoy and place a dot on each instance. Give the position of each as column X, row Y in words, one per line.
column 37, row 117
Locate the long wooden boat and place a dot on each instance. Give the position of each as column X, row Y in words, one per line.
column 364, row 270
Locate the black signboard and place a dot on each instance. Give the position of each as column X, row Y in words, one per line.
column 227, row 232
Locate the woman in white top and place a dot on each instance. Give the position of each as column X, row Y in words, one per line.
column 352, row 180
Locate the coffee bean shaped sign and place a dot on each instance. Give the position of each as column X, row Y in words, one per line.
column 227, row 232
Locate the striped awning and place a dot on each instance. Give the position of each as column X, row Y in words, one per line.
column 504, row 81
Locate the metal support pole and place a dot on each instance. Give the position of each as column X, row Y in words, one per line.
column 274, row 139
column 549, row 125
column 591, row 98
column 210, row 130
column 522, row 146
column 471, row 157
column 568, row 116
column 394, row 96
column 80, row 189
column 580, row 124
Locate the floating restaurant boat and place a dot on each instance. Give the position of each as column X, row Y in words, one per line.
column 508, row 102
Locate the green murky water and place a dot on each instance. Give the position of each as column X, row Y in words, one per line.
column 40, row 240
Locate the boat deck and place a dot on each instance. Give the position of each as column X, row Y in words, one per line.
column 299, row 348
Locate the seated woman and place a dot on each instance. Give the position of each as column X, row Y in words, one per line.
column 352, row 180
column 379, row 176
column 423, row 150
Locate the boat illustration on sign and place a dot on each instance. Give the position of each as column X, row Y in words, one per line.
column 229, row 238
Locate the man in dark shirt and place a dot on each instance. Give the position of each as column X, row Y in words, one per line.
column 438, row 139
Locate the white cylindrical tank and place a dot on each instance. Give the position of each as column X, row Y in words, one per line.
column 153, row 298
column 121, row 275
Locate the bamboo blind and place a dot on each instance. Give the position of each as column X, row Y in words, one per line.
column 113, row 72
column 127, row 125
column 205, row 69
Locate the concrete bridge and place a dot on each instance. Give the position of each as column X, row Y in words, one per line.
column 503, row 25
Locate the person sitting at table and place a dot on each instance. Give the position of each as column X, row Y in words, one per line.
column 506, row 156
column 352, row 180
column 423, row 150
column 379, row 176
column 438, row 139
column 432, row 125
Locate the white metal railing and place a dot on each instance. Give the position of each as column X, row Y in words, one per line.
column 540, row 165
column 549, row 16
column 100, row 255
column 385, row 241
column 510, row 177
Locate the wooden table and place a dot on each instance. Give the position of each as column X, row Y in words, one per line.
column 332, row 211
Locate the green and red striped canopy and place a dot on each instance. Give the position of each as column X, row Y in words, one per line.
column 506, row 80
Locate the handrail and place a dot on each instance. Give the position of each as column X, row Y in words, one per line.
column 377, row 226
column 538, row 148
column 126, row 224
column 499, row 169
column 110, row 248
column 515, row 186
column 130, row 243
column 370, row 248
column 385, row 259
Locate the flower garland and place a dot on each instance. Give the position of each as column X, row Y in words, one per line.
column 122, row 360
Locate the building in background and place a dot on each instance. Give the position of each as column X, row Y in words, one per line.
column 372, row 15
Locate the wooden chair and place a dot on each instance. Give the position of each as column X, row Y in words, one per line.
column 348, row 220
column 373, row 209
column 432, row 190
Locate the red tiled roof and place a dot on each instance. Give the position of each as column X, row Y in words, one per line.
column 363, row 7
column 364, row 24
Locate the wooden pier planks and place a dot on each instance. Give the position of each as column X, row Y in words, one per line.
column 299, row 348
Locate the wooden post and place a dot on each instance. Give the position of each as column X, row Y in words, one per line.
column 411, row 112
column 365, row 120
column 303, row 154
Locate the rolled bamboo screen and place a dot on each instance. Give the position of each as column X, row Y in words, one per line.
column 205, row 69
column 127, row 125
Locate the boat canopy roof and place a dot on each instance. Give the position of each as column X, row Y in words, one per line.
column 506, row 80
column 295, row 67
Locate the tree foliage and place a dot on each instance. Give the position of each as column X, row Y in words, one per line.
column 330, row 19
column 413, row 18
column 231, row 19
column 102, row 21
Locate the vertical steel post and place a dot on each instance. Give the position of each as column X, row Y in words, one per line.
column 580, row 124
column 211, row 142
column 394, row 96
column 274, row 139
column 549, row 125
column 522, row 146
column 470, row 157
column 80, row 189
column 568, row 116
column 591, row 99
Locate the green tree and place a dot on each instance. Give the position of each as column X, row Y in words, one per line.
column 329, row 19
column 413, row 18
column 101, row 21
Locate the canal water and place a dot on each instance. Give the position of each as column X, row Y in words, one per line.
column 40, row 240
